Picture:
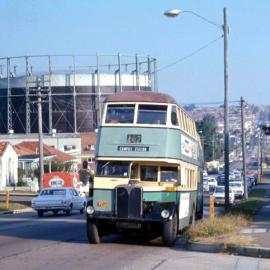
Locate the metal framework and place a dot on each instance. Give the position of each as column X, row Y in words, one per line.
column 26, row 68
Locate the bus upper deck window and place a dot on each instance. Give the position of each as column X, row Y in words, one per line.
column 152, row 114
column 149, row 173
column 174, row 118
column 169, row 174
column 120, row 113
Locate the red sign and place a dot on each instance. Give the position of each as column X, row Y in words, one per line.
column 61, row 179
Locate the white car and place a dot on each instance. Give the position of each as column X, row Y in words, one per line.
column 212, row 183
column 58, row 199
column 219, row 195
column 205, row 185
column 238, row 188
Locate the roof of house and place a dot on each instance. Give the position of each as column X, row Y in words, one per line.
column 3, row 147
column 30, row 148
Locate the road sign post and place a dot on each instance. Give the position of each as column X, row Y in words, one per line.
column 212, row 207
column 7, row 199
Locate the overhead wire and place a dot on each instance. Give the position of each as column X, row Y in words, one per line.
column 190, row 54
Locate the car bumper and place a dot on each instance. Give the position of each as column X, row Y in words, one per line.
column 222, row 201
column 51, row 208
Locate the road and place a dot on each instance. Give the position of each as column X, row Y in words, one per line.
column 60, row 243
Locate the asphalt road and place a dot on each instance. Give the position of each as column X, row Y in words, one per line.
column 59, row 243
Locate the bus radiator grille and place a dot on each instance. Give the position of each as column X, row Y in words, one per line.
column 128, row 202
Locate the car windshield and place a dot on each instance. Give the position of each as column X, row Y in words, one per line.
column 220, row 189
column 46, row 192
column 235, row 185
column 120, row 114
column 112, row 168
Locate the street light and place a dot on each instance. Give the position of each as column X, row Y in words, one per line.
column 225, row 29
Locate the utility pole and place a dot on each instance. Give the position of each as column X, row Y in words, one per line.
column 40, row 135
column 226, row 111
column 261, row 159
column 40, row 94
column 259, row 156
column 244, row 147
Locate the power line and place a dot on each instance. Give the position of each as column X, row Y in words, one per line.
column 190, row 54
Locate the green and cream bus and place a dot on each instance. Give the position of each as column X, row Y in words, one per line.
column 148, row 176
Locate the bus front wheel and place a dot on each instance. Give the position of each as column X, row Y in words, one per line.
column 169, row 231
column 93, row 234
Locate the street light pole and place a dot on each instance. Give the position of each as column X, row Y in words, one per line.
column 226, row 111
column 225, row 29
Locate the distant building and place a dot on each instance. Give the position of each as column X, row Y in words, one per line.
column 88, row 148
column 8, row 165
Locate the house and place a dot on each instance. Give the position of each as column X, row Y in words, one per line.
column 88, row 148
column 8, row 165
column 28, row 156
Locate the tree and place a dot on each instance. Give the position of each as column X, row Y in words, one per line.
column 84, row 176
column 57, row 166
column 212, row 146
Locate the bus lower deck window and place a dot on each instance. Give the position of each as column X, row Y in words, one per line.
column 168, row 174
column 149, row 173
column 112, row 168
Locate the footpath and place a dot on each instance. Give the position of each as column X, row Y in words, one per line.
column 260, row 227
column 259, row 231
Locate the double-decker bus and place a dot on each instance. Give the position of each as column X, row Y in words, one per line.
column 148, row 176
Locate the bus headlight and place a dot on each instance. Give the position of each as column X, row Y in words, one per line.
column 165, row 213
column 90, row 210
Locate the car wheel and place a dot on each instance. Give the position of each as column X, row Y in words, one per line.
column 55, row 212
column 93, row 233
column 82, row 209
column 69, row 211
column 169, row 231
column 40, row 213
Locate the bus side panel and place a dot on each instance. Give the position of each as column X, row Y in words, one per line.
column 103, row 200
column 114, row 143
column 187, row 200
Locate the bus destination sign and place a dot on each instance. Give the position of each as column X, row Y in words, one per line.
column 124, row 148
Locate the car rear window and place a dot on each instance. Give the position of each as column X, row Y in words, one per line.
column 53, row 192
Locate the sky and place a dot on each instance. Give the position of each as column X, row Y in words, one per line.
column 30, row 27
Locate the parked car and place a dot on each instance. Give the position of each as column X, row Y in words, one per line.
column 221, row 180
column 238, row 188
column 205, row 185
column 212, row 182
column 205, row 173
column 58, row 199
column 219, row 195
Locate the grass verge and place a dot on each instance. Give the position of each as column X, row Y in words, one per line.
column 224, row 228
column 13, row 206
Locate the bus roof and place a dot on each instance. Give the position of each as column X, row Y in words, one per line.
column 140, row 96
